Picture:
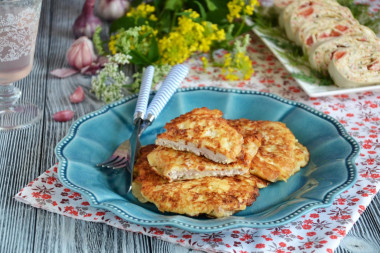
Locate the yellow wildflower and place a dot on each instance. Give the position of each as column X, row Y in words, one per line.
column 193, row 14
column 205, row 62
column 142, row 11
column 239, row 65
column 173, row 49
column 112, row 43
column 153, row 17
column 237, row 8
column 188, row 37
column 136, row 38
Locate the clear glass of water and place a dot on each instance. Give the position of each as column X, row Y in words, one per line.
column 18, row 33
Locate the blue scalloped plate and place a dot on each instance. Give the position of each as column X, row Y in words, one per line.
column 330, row 171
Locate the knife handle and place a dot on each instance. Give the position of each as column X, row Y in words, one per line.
column 142, row 100
column 166, row 91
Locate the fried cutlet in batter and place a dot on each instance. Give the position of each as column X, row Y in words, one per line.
column 180, row 165
column 280, row 155
column 213, row 196
column 301, row 155
column 203, row 132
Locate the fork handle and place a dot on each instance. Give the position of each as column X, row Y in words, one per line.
column 142, row 100
column 166, row 91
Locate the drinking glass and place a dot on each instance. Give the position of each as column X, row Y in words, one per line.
column 18, row 33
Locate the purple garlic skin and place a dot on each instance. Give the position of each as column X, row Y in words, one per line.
column 112, row 9
column 87, row 22
column 81, row 54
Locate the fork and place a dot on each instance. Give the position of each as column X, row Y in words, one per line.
column 119, row 159
column 123, row 158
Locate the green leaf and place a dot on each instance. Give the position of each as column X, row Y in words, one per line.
column 123, row 22
column 201, row 10
column 211, row 5
column 165, row 22
column 239, row 31
column 136, row 3
column 153, row 54
column 218, row 16
column 159, row 5
column 173, row 5
column 138, row 58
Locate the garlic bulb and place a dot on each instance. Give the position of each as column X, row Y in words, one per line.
column 112, row 9
column 87, row 22
column 81, row 54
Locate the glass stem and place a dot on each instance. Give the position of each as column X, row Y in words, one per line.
column 9, row 94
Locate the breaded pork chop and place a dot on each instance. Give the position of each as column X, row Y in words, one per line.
column 180, row 165
column 203, row 132
column 213, row 196
column 276, row 157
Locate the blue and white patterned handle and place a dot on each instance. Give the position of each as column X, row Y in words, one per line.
column 168, row 87
column 142, row 100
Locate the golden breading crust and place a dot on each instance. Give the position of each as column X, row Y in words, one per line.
column 301, row 155
column 180, row 165
column 213, row 196
column 203, row 132
column 276, row 157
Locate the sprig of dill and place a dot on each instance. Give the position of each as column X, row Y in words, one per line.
column 314, row 77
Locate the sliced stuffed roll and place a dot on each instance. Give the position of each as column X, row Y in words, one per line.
column 312, row 14
column 327, row 27
column 351, row 67
column 298, row 5
column 339, row 29
column 321, row 54
column 280, row 5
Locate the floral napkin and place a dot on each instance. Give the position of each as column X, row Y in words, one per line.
column 321, row 229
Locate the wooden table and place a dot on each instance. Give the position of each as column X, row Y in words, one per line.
column 25, row 154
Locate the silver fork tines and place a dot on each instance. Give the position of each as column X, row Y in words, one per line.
column 115, row 162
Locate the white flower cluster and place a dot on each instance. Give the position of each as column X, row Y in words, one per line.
column 110, row 82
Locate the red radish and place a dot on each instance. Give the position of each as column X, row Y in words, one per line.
column 77, row 96
column 63, row 116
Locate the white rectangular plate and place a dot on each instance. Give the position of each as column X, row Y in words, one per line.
column 312, row 89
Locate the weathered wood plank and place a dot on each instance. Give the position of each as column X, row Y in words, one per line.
column 20, row 153
column 160, row 246
column 365, row 235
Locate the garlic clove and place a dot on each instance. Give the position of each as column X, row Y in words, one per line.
column 63, row 116
column 77, row 96
column 81, row 53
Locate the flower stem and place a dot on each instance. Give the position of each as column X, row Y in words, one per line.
column 241, row 27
